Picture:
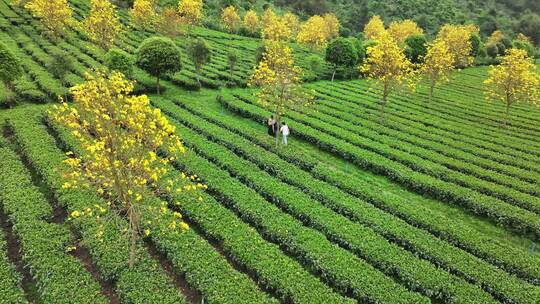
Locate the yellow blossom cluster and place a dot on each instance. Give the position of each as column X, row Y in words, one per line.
column 274, row 27
column 312, row 32
column 143, row 13
column 516, row 79
column 102, row 25
column 457, row 38
column 230, row 19
column 170, row 23
column 292, row 22
column 119, row 136
column 191, row 11
column 251, row 22
column 495, row 37
column 55, row 15
column 374, row 28
column 401, row 30
column 332, row 25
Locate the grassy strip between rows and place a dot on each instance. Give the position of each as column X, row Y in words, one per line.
column 273, row 269
column 12, row 293
column 513, row 260
column 61, row 278
column 505, row 286
column 498, row 211
column 204, row 268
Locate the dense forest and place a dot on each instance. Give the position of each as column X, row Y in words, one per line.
column 509, row 16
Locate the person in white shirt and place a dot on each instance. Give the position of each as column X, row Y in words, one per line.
column 284, row 132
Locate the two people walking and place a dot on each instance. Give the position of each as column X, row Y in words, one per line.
column 274, row 127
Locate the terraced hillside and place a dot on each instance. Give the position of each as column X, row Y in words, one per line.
column 438, row 205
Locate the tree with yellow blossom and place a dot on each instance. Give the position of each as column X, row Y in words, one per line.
column 280, row 82
column 55, row 15
column 191, row 11
column 169, row 23
column 251, row 22
column 291, row 21
column 332, row 26
column 313, row 33
column 515, row 80
column 374, row 28
column 230, row 19
column 119, row 136
column 102, row 25
column 387, row 65
column 457, row 40
column 143, row 13
column 401, row 30
column 438, row 64
column 274, row 28
column 495, row 37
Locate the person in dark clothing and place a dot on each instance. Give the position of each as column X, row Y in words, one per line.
column 271, row 122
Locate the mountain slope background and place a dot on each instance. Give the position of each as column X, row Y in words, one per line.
column 510, row 16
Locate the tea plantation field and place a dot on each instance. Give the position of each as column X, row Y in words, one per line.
column 438, row 205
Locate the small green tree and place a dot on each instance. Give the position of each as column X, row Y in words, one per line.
column 232, row 60
column 524, row 45
column 158, row 56
column 10, row 67
column 416, row 48
column 315, row 65
column 60, row 66
column 476, row 44
column 200, row 54
column 120, row 61
column 341, row 53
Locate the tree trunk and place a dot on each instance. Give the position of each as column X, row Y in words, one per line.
column 431, row 88
column 383, row 105
column 333, row 74
column 158, row 85
column 278, row 123
column 134, row 233
column 507, row 117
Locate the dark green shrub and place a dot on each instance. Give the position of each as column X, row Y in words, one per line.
column 158, row 56
column 476, row 44
column 341, row 53
column 120, row 61
column 492, row 50
column 10, row 67
column 416, row 48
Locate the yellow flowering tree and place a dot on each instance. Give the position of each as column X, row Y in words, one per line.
column 169, row 23
column 401, row 30
column 274, row 28
column 191, row 11
column 495, row 37
column 438, row 64
column 332, row 26
column 143, row 13
column 313, row 33
column 280, row 82
column 102, row 24
column 522, row 37
column 55, row 15
column 387, row 65
column 457, row 40
column 374, row 28
column 251, row 22
column 515, row 80
column 230, row 19
column 291, row 21
column 119, row 136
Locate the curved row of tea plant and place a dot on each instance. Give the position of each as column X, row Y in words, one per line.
column 424, row 245
column 510, row 258
column 498, row 211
